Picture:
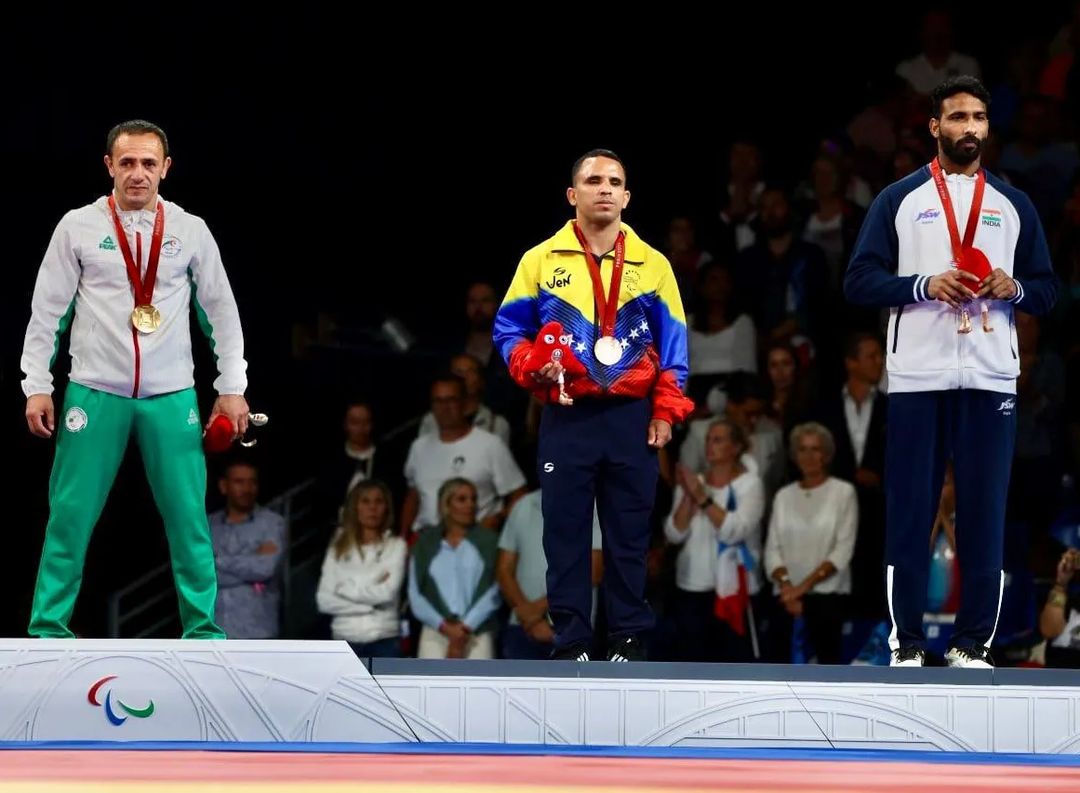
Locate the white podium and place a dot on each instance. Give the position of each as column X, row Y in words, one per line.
column 319, row 692
column 172, row 690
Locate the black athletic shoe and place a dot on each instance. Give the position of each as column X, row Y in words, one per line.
column 907, row 656
column 976, row 657
column 628, row 648
column 574, row 652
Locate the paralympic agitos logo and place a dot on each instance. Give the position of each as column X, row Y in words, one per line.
column 115, row 718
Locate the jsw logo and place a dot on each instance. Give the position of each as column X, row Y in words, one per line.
column 1008, row 404
column 558, row 280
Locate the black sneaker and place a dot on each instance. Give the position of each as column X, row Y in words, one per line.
column 573, row 652
column 976, row 657
column 908, row 656
column 628, row 648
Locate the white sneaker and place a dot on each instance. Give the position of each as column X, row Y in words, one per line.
column 969, row 658
column 907, row 656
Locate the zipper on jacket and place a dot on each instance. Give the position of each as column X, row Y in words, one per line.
column 1012, row 324
column 138, row 362
column 961, row 215
column 960, row 359
column 134, row 332
column 896, row 329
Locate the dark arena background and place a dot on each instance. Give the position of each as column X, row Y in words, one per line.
column 362, row 171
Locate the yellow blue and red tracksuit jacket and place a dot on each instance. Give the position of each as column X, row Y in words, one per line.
column 552, row 283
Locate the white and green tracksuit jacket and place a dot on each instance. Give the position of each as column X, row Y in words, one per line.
column 83, row 275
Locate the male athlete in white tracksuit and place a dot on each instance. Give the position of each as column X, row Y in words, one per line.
column 124, row 273
column 952, row 381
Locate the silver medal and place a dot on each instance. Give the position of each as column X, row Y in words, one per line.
column 607, row 350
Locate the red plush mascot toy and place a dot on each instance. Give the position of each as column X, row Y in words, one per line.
column 221, row 433
column 553, row 345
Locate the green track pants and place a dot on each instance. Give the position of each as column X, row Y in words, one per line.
column 94, row 428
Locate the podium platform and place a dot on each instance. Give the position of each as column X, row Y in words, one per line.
column 319, row 692
column 173, row 690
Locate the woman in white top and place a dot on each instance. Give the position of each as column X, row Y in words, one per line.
column 808, row 551
column 835, row 220
column 363, row 574
column 721, row 338
column 715, row 512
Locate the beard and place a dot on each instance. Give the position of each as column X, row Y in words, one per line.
column 959, row 151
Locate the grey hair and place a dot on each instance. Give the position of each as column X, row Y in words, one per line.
column 828, row 446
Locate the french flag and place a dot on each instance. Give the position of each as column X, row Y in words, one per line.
column 732, row 587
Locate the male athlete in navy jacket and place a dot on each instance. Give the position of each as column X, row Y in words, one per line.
column 953, row 251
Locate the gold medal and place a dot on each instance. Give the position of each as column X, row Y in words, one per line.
column 146, row 319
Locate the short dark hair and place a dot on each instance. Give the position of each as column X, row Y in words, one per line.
column 855, row 340
column 238, row 461
column 359, row 403
column 777, row 187
column 699, row 319
column 960, row 84
column 449, row 377
column 136, row 127
column 783, row 345
column 743, row 386
column 595, row 153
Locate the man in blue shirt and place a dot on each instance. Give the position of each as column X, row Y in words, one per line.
column 248, row 545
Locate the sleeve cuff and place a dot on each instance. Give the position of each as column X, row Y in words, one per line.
column 1019, row 292
column 663, row 414
column 230, row 390
column 35, row 389
column 919, row 289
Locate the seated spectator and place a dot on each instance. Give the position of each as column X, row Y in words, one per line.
column 1039, row 161
column 458, row 449
column 363, row 574
column 735, row 226
column 502, row 394
column 833, row 221
column 855, row 414
column 521, row 571
column 937, row 60
column 1059, row 621
column 721, row 337
column 906, row 161
column 358, row 461
column 943, row 587
column 783, row 279
column 248, row 543
column 481, row 303
column 811, row 539
column 1041, row 438
column 743, row 403
column 873, row 129
column 452, row 588
column 717, row 521
column 684, row 254
column 476, row 413
column 788, row 386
